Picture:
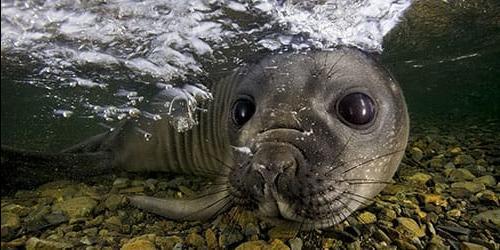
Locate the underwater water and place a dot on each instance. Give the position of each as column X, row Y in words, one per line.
column 444, row 54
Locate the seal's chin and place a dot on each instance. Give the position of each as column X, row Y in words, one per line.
column 281, row 212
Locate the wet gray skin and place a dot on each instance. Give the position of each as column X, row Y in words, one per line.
column 305, row 139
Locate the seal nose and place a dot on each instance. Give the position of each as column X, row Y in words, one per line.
column 274, row 162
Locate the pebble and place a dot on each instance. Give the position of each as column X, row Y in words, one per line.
column 229, row 237
column 211, row 239
column 140, row 244
column 367, row 218
column 434, row 199
column 195, row 240
column 454, row 213
column 472, row 246
column 77, row 207
column 469, row 186
column 463, row 159
column 296, row 243
column 169, row 242
column 487, row 180
column 409, row 227
column 251, row 245
column 113, row 201
column 488, row 216
column 38, row 244
column 120, row 183
column 460, row 174
column 282, row 232
column 488, row 196
column 419, row 179
column 416, row 154
column 10, row 223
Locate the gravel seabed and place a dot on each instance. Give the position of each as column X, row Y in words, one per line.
column 444, row 196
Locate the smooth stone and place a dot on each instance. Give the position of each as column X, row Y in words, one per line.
column 436, row 162
column 120, row 183
column 454, row 213
column 38, row 244
column 113, row 201
column 463, row 159
column 277, row 244
column 141, row 244
column 469, row 186
column 487, row 180
column 455, row 150
column 472, row 246
column 282, row 232
column 195, row 240
column 229, row 236
column 419, row 179
column 296, row 243
column 488, row 196
column 435, row 199
column 488, row 216
column 460, row 174
column 21, row 211
column 10, row 223
column 410, row 227
column 250, row 245
column 77, row 207
column 416, row 154
column 211, row 239
column 10, row 220
column 169, row 242
column 367, row 218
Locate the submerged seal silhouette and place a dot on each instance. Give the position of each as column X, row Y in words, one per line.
column 302, row 138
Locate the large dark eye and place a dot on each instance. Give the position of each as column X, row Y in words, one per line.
column 243, row 109
column 356, row 109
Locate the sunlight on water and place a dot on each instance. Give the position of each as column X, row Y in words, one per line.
column 92, row 47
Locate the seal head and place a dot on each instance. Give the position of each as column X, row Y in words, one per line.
column 315, row 136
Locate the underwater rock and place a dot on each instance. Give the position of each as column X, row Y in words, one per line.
column 487, row 180
column 38, row 244
column 488, row 216
column 419, row 179
column 460, row 174
column 296, row 244
column 282, row 232
column 10, row 223
column 367, row 218
column 77, row 207
column 195, row 240
column 409, row 227
column 469, row 186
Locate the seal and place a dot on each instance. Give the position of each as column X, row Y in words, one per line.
column 301, row 138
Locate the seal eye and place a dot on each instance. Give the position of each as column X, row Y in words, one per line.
column 243, row 109
column 356, row 109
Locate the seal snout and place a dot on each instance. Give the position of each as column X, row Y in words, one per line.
column 267, row 174
column 271, row 161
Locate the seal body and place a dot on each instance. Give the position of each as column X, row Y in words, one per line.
column 302, row 138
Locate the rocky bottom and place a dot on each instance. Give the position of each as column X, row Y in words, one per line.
column 445, row 196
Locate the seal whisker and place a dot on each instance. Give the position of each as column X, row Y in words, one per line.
column 331, row 71
column 359, row 196
column 339, row 153
column 372, row 159
column 221, row 162
column 365, row 181
column 225, row 199
column 206, row 194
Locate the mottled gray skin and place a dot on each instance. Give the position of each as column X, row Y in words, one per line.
column 295, row 160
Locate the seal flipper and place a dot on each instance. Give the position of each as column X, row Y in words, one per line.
column 28, row 169
column 201, row 208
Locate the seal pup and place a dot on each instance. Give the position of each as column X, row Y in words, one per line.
column 301, row 138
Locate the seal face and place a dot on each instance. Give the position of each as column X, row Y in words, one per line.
column 324, row 133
